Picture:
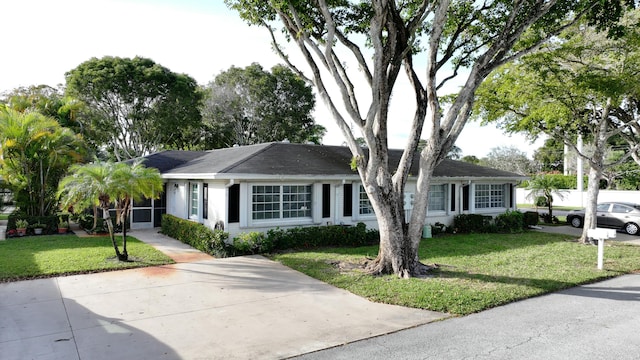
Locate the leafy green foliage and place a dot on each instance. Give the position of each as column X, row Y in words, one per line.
column 197, row 235
column 132, row 103
column 250, row 106
column 510, row 222
column 49, row 224
column 472, row 223
column 315, row 236
column 101, row 183
column 254, row 242
column 35, row 152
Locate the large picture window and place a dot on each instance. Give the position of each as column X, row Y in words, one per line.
column 281, row 202
column 364, row 203
column 489, row 196
column 436, row 197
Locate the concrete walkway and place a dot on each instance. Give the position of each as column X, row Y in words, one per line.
column 199, row 308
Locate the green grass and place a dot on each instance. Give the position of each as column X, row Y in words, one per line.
column 53, row 255
column 475, row 272
column 4, row 216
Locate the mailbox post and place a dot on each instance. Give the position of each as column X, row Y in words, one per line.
column 601, row 234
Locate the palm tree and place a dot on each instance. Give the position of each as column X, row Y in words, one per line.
column 135, row 182
column 103, row 183
column 544, row 186
column 35, row 151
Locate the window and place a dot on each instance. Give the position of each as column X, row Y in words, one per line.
column 266, row 202
column 489, row 196
column 296, row 201
column 281, row 202
column 193, row 201
column 365, row 204
column 436, row 197
column 205, row 201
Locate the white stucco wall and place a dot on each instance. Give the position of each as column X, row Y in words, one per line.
column 575, row 198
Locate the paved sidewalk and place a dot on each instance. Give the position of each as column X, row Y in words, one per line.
column 201, row 308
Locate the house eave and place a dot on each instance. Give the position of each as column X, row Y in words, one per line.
column 340, row 177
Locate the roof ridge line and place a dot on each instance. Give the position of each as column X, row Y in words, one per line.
column 246, row 158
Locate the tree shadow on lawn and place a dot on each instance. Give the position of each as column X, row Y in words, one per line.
column 479, row 244
column 543, row 285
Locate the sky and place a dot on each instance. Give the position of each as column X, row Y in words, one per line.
column 44, row 39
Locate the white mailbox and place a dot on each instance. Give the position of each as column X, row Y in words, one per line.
column 601, row 234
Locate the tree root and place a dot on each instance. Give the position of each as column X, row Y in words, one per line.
column 378, row 267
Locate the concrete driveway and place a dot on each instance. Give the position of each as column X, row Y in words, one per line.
column 201, row 308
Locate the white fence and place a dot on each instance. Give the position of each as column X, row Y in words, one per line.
column 576, row 198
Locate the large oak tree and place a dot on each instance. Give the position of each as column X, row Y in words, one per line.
column 250, row 105
column 135, row 105
column 583, row 84
column 345, row 44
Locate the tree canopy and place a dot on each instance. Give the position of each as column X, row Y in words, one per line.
column 251, row 106
column 583, row 84
column 136, row 106
column 35, row 152
column 362, row 47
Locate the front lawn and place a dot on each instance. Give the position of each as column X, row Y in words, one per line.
column 53, row 255
column 475, row 272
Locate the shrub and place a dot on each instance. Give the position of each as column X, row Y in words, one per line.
column 85, row 221
column 531, row 218
column 316, row 236
column 510, row 222
column 548, row 219
column 438, row 228
column 254, row 242
column 541, row 201
column 472, row 223
column 197, row 235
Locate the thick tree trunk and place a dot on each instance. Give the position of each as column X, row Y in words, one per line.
column 397, row 254
column 593, row 189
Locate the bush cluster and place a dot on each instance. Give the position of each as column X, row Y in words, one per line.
column 50, row 222
column 197, row 235
column 508, row 222
column 512, row 221
column 85, row 220
column 214, row 241
column 317, row 236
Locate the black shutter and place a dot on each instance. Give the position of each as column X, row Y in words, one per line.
column 452, row 195
column 465, row 197
column 233, row 206
column 347, row 200
column 326, row 200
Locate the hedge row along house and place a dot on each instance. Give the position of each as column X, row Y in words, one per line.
column 279, row 184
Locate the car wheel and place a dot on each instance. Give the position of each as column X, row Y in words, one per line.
column 631, row 228
column 576, row 221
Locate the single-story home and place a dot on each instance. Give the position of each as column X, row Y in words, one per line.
column 279, row 184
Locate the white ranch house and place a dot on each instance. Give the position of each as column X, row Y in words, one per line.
column 259, row 187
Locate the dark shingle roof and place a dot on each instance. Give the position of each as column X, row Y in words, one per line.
column 164, row 161
column 294, row 159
